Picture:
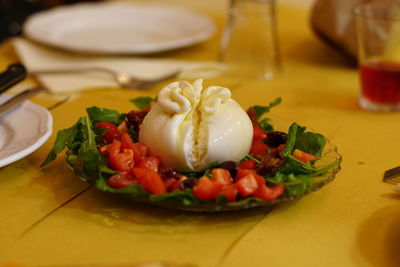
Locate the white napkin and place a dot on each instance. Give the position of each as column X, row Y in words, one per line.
column 37, row 57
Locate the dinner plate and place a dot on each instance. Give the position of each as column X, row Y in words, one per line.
column 23, row 129
column 118, row 28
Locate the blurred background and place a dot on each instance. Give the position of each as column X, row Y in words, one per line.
column 14, row 12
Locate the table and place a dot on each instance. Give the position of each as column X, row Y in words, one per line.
column 51, row 218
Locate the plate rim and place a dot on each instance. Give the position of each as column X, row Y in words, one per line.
column 182, row 42
column 40, row 140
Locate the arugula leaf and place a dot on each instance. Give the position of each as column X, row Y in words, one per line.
column 266, row 125
column 261, row 110
column 297, row 175
column 135, row 191
column 248, row 157
column 312, row 143
column 186, row 197
column 142, row 102
column 89, row 137
column 64, row 138
column 245, row 201
column 294, row 132
column 133, row 135
column 97, row 114
column 309, row 142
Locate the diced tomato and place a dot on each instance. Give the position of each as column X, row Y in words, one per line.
column 269, row 193
column 170, row 184
column 139, row 150
column 177, row 185
column 303, row 156
column 260, row 180
column 120, row 161
column 229, row 191
column 126, row 141
column 244, row 172
column 205, row 189
column 103, row 150
column 247, row 185
column 247, row 164
column 259, row 133
column 112, row 132
column 221, row 176
column 151, row 163
column 258, row 148
column 150, row 180
column 121, row 180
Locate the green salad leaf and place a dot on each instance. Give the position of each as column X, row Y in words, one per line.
column 97, row 114
column 64, row 138
column 261, row 110
column 296, row 175
column 186, row 197
column 142, row 102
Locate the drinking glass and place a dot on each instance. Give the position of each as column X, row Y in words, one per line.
column 249, row 44
column 378, row 39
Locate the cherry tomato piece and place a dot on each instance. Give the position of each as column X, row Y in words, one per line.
column 247, row 185
column 205, row 189
column 229, row 191
column 150, row 180
column 269, row 193
column 112, row 132
column 259, row 133
column 140, row 150
column 221, row 176
column 303, row 156
column 121, row 180
column 258, row 148
column 247, row 164
column 120, row 161
column 244, row 172
column 151, row 163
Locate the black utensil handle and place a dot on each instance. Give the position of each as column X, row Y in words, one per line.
column 15, row 73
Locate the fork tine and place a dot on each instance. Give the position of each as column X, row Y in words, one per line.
column 392, row 176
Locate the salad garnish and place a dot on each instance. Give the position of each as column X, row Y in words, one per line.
column 103, row 148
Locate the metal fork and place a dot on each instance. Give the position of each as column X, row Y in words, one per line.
column 124, row 80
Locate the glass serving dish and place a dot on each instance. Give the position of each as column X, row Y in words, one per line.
column 329, row 155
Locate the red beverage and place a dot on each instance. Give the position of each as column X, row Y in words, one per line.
column 380, row 82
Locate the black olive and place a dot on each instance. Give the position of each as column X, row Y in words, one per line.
column 274, row 139
column 167, row 172
column 231, row 166
column 188, row 183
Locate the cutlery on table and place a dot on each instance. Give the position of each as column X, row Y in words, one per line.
column 12, row 75
column 123, row 79
column 19, row 98
column 392, row 176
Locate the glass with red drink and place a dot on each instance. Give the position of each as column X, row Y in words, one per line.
column 378, row 39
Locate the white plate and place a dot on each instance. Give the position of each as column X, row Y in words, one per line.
column 23, row 129
column 118, row 28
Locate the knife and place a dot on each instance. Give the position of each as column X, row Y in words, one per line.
column 19, row 98
column 15, row 73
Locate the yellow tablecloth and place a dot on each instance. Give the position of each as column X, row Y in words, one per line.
column 50, row 218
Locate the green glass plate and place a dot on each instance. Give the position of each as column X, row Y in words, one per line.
column 329, row 155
